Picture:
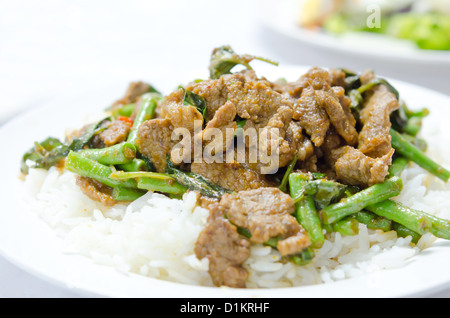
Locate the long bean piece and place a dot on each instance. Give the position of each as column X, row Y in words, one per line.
column 134, row 165
column 305, row 210
column 347, row 226
column 153, row 181
column 357, row 202
column 398, row 165
column 127, row 194
column 406, row 149
column 149, row 102
column 120, row 153
column 86, row 167
column 415, row 220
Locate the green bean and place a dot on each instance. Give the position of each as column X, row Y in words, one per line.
column 117, row 154
column 126, row 110
column 420, row 143
column 284, row 181
column 153, row 181
column 145, row 112
column 347, row 226
column 373, row 221
column 406, row 149
column 134, row 165
column 161, row 185
column 355, row 203
column 415, row 220
column 302, row 258
column 403, row 231
column 413, row 126
column 398, row 165
column 127, row 194
column 86, row 167
column 305, row 210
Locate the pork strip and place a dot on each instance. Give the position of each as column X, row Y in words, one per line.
column 225, row 249
column 355, row 168
column 266, row 213
column 374, row 139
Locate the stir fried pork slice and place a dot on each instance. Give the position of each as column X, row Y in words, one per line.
column 312, row 117
column 225, row 249
column 116, row 132
column 272, row 140
column 256, row 101
column 332, row 142
column 374, row 138
column 337, row 77
column 213, row 91
column 96, row 190
column 298, row 141
column 134, row 91
column 155, row 142
column 180, row 115
column 233, row 176
column 230, row 87
column 316, row 78
column 355, row 168
column 340, row 116
column 223, row 120
column 266, row 212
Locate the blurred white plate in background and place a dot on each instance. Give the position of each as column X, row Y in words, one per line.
column 282, row 16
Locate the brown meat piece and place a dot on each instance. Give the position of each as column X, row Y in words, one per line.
column 116, row 132
column 180, row 115
column 332, row 141
column 155, row 142
column 316, row 78
column 337, row 77
column 225, row 249
column 298, row 141
column 223, row 120
column 256, row 101
column 272, row 138
column 355, row 168
column 134, row 91
column 312, row 117
column 232, row 176
column 96, row 190
column 218, row 91
column 266, row 213
column 374, row 138
column 213, row 91
column 342, row 120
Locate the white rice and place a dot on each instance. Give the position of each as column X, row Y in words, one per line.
column 155, row 236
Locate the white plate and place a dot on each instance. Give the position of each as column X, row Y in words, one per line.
column 282, row 16
column 29, row 243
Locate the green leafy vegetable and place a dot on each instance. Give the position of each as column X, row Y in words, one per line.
column 194, row 181
column 190, row 98
column 52, row 151
column 224, row 59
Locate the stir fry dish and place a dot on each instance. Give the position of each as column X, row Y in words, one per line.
column 295, row 161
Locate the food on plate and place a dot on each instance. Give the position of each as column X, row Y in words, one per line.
column 240, row 181
column 426, row 23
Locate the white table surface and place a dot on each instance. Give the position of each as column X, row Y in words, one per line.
column 49, row 49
